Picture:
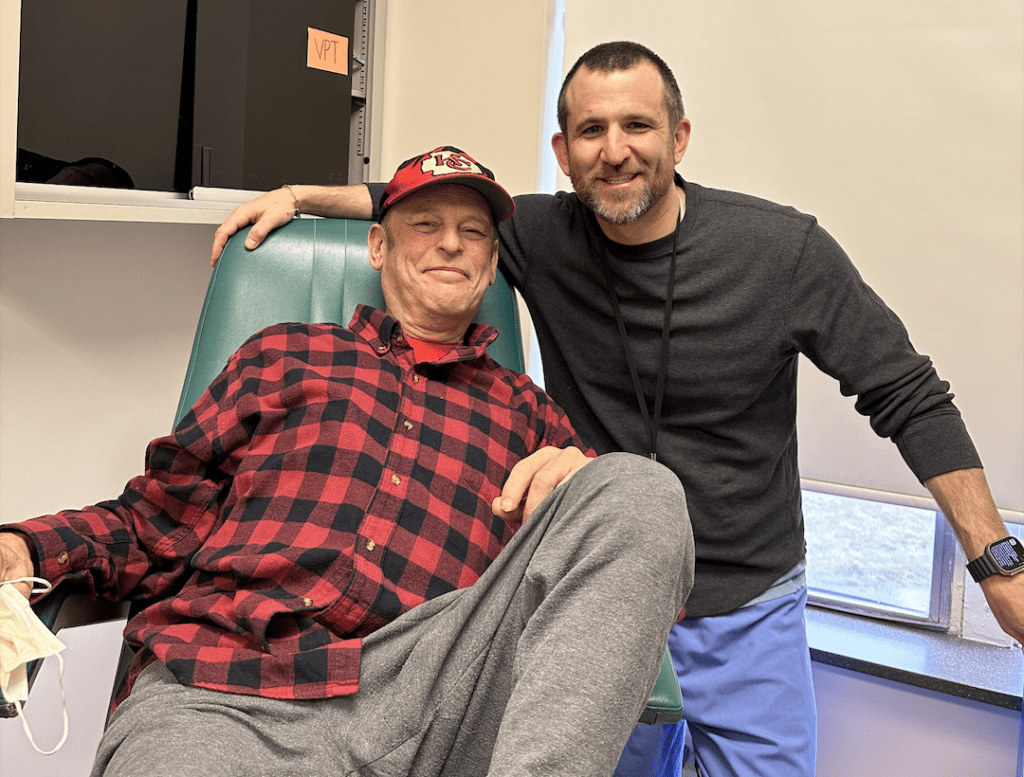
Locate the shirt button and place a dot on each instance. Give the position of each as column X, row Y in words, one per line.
column 400, row 339
column 396, row 480
column 370, row 544
column 382, row 349
column 408, row 425
column 307, row 602
column 415, row 378
column 62, row 557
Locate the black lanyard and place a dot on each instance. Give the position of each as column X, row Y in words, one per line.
column 652, row 425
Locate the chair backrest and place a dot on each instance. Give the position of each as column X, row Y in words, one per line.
column 309, row 271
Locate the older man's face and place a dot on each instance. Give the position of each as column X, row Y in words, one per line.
column 437, row 255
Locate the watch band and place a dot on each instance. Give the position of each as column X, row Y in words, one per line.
column 982, row 567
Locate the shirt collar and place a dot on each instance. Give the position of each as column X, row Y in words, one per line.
column 382, row 332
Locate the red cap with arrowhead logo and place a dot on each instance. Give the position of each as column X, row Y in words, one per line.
column 446, row 164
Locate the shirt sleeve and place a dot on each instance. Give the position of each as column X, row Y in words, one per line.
column 842, row 326
column 552, row 425
column 376, row 192
column 535, row 215
column 141, row 542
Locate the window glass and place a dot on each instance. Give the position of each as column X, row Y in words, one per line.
column 870, row 554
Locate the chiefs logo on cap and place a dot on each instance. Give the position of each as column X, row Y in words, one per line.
column 447, row 162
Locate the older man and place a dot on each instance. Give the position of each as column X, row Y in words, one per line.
column 335, row 544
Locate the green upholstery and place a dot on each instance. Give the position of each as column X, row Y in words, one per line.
column 317, row 270
column 666, row 702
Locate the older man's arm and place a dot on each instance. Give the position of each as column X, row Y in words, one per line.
column 274, row 209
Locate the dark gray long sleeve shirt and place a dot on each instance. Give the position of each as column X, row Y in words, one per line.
column 757, row 284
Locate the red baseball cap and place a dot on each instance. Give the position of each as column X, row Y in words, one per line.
column 446, row 164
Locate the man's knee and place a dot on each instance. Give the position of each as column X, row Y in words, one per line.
column 625, row 469
column 643, row 504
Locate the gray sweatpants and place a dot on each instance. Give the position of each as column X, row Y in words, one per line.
column 542, row 667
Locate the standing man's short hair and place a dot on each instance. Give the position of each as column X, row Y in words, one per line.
column 623, row 55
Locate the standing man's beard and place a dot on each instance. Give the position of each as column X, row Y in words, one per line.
column 624, row 207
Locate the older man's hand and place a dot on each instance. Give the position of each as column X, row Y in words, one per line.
column 16, row 560
column 533, row 478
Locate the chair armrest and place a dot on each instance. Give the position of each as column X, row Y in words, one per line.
column 666, row 704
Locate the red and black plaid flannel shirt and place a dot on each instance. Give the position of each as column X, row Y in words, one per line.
column 324, row 484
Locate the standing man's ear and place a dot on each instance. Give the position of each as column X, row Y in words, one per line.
column 376, row 241
column 561, row 147
column 681, row 139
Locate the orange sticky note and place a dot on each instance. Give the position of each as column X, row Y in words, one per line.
column 327, row 51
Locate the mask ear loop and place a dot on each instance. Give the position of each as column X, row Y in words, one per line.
column 63, row 709
column 43, row 587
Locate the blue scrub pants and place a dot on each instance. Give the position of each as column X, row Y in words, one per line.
column 748, row 697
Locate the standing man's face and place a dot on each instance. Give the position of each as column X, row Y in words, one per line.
column 619, row 149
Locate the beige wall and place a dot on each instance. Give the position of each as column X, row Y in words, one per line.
column 871, row 726
column 467, row 74
column 96, row 323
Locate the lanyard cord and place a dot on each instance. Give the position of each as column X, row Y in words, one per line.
column 652, row 425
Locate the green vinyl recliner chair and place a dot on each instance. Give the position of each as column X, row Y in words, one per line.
column 315, row 270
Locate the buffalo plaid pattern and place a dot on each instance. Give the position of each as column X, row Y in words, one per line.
column 323, row 485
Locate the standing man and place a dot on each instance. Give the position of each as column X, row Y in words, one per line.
column 670, row 317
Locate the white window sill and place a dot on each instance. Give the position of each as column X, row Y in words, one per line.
column 48, row 201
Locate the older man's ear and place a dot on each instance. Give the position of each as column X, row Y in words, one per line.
column 376, row 241
column 494, row 263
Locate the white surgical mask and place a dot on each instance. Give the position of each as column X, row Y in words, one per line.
column 24, row 638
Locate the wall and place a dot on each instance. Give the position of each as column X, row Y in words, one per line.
column 96, row 323
column 871, row 726
column 467, row 74
column 90, row 660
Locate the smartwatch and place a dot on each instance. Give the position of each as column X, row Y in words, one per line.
column 1002, row 557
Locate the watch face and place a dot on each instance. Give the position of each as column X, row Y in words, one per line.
column 1008, row 554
